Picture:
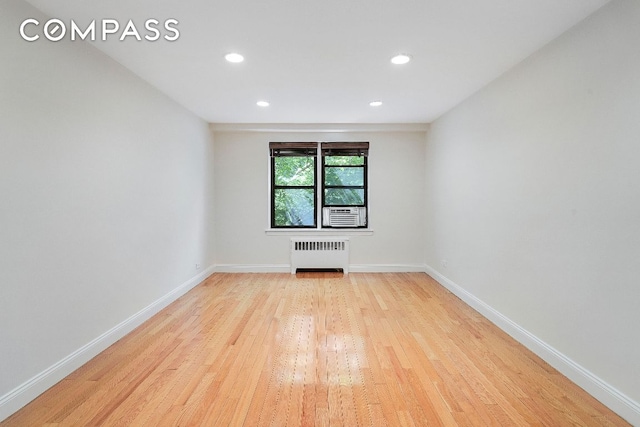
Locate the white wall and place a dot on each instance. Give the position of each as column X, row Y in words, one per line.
column 533, row 198
column 105, row 204
column 396, row 196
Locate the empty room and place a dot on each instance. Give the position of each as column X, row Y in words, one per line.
column 336, row 213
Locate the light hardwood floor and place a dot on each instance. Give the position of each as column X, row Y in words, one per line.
column 316, row 350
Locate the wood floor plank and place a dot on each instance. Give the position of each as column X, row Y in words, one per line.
column 316, row 349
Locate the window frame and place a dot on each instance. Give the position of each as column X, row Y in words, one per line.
column 322, row 149
column 293, row 150
column 339, row 149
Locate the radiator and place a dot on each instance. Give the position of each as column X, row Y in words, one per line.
column 320, row 252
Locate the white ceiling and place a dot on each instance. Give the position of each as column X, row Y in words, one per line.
column 322, row 61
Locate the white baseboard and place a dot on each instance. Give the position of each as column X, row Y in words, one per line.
column 353, row 268
column 387, row 268
column 252, row 268
column 29, row 390
column 617, row 401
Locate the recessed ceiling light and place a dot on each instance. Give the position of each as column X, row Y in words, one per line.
column 262, row 104
column 375, row 103
column 401, row 59
column 234, row 57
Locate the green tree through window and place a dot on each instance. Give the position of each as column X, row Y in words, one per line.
column 344, row 180
column 294, row 197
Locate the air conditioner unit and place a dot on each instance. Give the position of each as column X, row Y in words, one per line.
column 344, row 216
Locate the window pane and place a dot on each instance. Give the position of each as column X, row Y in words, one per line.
column 294, row 207
column 344, row 176
column 344, row 160
column 343, row 197
column 294, row 170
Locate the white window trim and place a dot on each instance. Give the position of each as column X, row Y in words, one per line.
column 319, row 231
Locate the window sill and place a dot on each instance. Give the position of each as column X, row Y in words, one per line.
column 319, row 232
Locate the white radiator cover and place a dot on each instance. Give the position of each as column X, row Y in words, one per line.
column 320, row 252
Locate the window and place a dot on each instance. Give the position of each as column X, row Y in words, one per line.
column 344, row 175
column 293, row 185
column 341, row 191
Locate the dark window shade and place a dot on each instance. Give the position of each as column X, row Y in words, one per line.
column 345, row 148
column 285, row 149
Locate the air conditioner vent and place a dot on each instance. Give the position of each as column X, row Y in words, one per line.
column 344, row 216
